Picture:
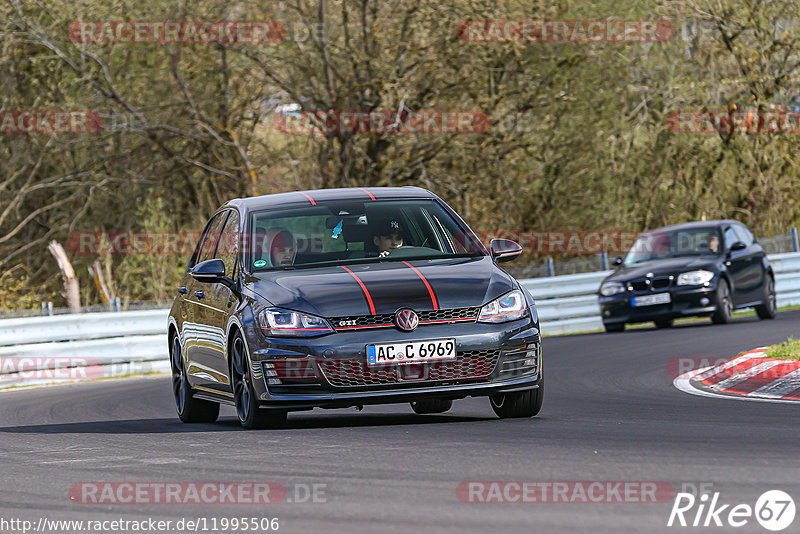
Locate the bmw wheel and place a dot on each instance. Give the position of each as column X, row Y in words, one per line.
column 768, row 309
column 250, row 415
column 724, row 309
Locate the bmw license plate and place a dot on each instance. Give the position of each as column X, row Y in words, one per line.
column 412, row 352
column 651, row 300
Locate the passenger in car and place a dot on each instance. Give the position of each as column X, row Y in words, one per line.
column 282, row 247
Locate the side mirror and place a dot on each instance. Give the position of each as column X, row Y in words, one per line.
column 504, row 250
column 616, row 262
column 209, row 271
column 738, row 246
column 213, row 272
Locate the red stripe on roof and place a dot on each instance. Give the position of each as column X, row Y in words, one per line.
column 363, row 288
column 308, row 197
column 367, row 192
column 425, row 281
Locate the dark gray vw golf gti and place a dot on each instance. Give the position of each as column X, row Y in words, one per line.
column 346, row 297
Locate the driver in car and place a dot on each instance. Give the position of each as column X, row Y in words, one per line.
column 713, row 243
column 388, row 237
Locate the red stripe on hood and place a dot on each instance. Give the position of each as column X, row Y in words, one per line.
column 363, row 288
column 425, row 281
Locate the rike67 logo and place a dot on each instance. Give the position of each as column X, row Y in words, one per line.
column 774, row 510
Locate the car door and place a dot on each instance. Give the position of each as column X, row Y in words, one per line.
column 202, row 334
column 737, row 263
column 753, row 272
column 221, row 303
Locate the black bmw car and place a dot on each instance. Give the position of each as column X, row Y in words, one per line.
column 695, row 269
column 347, row 297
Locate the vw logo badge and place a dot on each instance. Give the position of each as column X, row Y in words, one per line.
column 406, row 320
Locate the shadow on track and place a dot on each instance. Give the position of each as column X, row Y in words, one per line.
column 174, row 426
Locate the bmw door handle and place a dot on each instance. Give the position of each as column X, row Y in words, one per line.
column 182, row 290
column 199, row 294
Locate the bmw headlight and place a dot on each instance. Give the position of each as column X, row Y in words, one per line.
column 287, row 323
column 611, row 288
column 509, row 307
column 695, row 278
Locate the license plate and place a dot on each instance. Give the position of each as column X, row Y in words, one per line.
column 651, row 300
column 411, row 352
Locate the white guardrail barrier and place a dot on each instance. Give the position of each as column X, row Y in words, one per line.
column 40, row 350
column 43, row 350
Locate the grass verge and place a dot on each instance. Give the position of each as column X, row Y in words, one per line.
column 789, row 350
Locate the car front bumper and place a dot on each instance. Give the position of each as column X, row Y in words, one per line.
column 331, row 372
column 685, row 301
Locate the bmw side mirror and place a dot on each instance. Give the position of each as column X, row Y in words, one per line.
column 616, row 262
column 504, row 250
column 738, row 246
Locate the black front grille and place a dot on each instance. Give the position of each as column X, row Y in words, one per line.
column 468, row 365
column 640, row 285
column 386, row 320
column 651, row 284
column 660, row 283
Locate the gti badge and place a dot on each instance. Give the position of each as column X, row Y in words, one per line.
column 406, row 319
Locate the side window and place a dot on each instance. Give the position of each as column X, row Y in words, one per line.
column 744, row 234
column 228, row 247
column 209, row 244
column 730, row 237
column 196, row 254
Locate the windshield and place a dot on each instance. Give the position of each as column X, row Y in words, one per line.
column 661, row 244
column 336, row 233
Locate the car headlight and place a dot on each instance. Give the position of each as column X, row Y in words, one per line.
column 277, row 322
column 695, row 278
column 611, row 288
column 509, row 307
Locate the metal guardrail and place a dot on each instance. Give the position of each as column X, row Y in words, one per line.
column 42, row 350
column 122, row 343
column 569, row 303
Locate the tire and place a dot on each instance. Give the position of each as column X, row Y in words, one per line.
column 250, row 414
column 190, row 410
column 615, row 327
column 722, row 314
column 431, row 406
column 522, row 404
column 664, row 323
column 768, row 309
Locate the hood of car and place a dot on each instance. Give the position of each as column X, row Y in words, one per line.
column 664, row 267
column 364, row 289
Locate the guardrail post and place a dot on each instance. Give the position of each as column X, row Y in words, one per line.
column 603, row 261
column 115, row 305
column 795, row 242
column 549, row 268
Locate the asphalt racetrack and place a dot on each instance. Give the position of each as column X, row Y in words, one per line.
column 610, row 413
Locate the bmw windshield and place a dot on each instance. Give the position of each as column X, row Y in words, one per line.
column 356, row 232
column 661, row 244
